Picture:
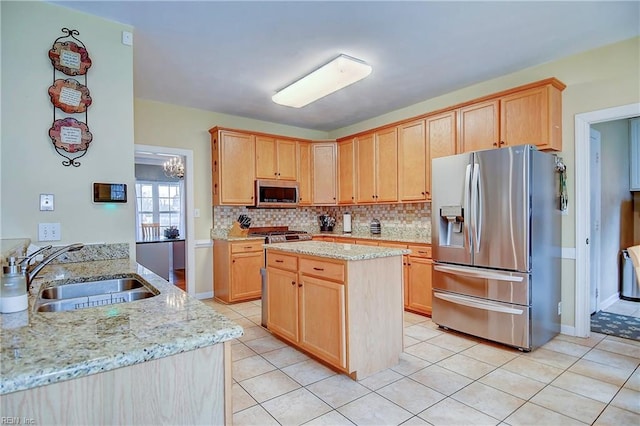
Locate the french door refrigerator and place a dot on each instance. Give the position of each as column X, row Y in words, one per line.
column 496, row 245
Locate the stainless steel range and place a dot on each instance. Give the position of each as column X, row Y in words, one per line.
column 272, row 236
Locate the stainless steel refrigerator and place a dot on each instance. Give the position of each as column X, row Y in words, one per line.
column 496, row 245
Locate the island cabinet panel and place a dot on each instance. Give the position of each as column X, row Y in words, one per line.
column 346, row 172
column 412, row 162
column 282, row 303
column 347, row 314
column 232, row 184
column 479, row 126
column 193, row 388
column 236, row 270
column 322, row 319
column 304, row 174
column 324, row 173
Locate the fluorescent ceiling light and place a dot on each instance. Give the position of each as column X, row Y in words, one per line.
column 331, row 77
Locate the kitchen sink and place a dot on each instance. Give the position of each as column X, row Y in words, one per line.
column 91, row 288
column 70, row 297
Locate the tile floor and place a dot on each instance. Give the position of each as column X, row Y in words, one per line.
column 443, row 378
column 625, row 307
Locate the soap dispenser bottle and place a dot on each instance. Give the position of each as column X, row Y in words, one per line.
column 13, row 289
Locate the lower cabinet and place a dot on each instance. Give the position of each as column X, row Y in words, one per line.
column 345, row 313
column 418, row 285
column 236, row 270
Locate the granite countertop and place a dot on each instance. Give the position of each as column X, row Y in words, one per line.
column 223, row 235
column 340, row 251
column 400, row 237
column 43, row 348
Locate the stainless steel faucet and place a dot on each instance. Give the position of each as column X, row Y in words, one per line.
column 32, row 274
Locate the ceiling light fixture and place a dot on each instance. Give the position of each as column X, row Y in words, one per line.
column 331, row 77
column 174, row 168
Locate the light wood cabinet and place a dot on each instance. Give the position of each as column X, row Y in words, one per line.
column 322, row 319
column 324, row 173
column 304, row 174
column 441, row 136
column 346, row 172
column 479, row 126
column 345, row 313
column 236, row 270
column 275, row 158
column 377, row 167
column 413, row 169
column 532, row 116
column 232, row 167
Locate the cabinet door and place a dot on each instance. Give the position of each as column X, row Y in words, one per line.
column 304, row 173
column 324, row 173
column 266, row 158
column 237, row 163
column 387, row 165
column 412, row 161
column 419, row 285
column 479, row 126
column 365, row 169
column 346, row 172
column 282, row 303
column 528, row 117
column 245, row 275
column 322, row 319
column 286, row 159
column 441, row 140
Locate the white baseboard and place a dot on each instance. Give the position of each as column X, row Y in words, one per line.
column 567, row 330
column 203, row 243
column 609, row 301
column 207, row 295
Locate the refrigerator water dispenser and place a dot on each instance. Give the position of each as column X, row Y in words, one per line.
column 451, row 226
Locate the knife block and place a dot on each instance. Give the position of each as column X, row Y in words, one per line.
column 236, row 231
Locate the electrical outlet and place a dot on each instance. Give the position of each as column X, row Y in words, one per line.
column 559, row 308
column 46, row 202
column 127, row 38
column 49, row 232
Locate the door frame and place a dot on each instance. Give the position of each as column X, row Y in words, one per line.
column 582, row 211
column 189, row 207
column 595, row 201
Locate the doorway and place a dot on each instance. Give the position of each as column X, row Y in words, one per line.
column 159, row 154
column 583, row 259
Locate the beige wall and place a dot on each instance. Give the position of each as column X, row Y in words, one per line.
column 29, row 164
column 616, row 212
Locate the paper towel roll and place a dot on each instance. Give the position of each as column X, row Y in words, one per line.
column 346, row 223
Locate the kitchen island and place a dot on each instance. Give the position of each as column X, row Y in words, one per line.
column 161, row 360
column 341, row 303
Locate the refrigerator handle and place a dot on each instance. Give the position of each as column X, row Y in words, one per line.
column 468, row 212
column 476, row 273
column 474, row 206
column 477, row 188
column 460, row 300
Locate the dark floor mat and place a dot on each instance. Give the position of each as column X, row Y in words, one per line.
column 616, row 325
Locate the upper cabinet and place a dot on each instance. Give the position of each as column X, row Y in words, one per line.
column 232, row 166
column 412, row 162
column 479, row 126
column 533, row 116
column 346, row 172
column 441, row 139
column 323, row 173
column 304, row 173
column 377, row 167
column 275, row 158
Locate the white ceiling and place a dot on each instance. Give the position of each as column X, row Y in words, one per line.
column 231, row 57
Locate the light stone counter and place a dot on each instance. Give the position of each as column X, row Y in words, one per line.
column 337, row 250
column 44, row 348
column 392, row 235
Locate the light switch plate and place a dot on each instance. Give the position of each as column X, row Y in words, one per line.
column 46, row 202
column 127, row 38
column 49, row 232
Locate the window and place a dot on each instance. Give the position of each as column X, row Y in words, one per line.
column 159, row 202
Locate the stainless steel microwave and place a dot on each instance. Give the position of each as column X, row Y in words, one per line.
column 276, row 193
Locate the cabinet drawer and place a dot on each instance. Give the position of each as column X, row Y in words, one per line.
column 319, row 268
column 282, row 261
column 420, row 251
column 393, row 245
column 245, row 246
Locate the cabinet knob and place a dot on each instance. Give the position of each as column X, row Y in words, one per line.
column 423, row 193
column 501, row 142
column 495, row 144
column 293, row 283
column 300, row 285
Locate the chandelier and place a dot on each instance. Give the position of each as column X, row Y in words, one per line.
column 174, row 168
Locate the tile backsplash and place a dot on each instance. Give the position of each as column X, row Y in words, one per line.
column 415, row 216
